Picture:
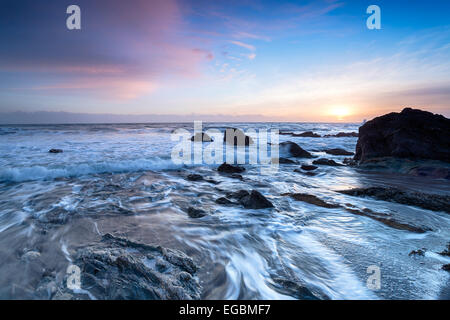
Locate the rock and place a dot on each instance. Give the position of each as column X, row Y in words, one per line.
column 342, row 135
column 224, row 201
column 307, row 167
column 446, row 252
column 446, row 267
column 307, row 134
column 427, row 201
column 111, row 271
column 311, row 199
column 30, row 256
column 237, row 137
column 195, row 213
column 250, row 200
column 413, row 134
column 431, row 172
column 55, row 151
column 286, row 161
column 339, row 152
column 296, row 290
column 228, row 168
column 294, row 150
column 418, row 252
column 350, row 162
column 255, row 200
column 381, row 217
column 326, row 162
column 201, row 137
column 194, row 177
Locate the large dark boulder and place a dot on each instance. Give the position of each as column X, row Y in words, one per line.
column 292, row 149
column 412, row 134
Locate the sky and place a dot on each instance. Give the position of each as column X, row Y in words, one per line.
column 224, row 60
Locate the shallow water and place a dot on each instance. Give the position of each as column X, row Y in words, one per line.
column 120, row 179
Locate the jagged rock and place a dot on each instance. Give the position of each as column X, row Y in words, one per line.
column 228, row 168
column 195, row 213
column 110, row 270
column 427, row 201
column 307, row 167
column 294, row 150
column 412, row 133
column 55, row 151
column 307, row 134
column 342, row 135
column 309, row 198
column 418, row 252
column 224, row 201
column 194, row 177
column 201, row 137
column 251, row 200
column 237, row 137
column 326, row 162
column 339, row 152
column 286, row 161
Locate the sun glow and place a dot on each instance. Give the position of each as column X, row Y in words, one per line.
column 340, row 112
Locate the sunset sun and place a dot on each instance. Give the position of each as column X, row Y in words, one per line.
column 340, row 112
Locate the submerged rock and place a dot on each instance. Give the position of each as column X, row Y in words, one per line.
column 224, row 201
column 194, row 177
column 251, row 200
column 307, row 134
column 195, row 213
column 237, row 137
column 228, row 168
column 418, row 252
column 110, row 270
column 412, row 133
column 431, row 172
column 294, row 150
column 339, row 152
column 296, row 290
column 311, row 199
column 427, row 201
column 446, row 267
column 446, row 252
column 55, row 151
column 342, row 135
column 326, row 162
column 282, row 160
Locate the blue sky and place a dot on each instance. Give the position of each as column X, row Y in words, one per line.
column 281, row 60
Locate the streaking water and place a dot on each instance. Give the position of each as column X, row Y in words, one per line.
column 120, row 179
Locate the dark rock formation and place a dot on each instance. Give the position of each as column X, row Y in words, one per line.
column 307, row 134
column 294, row 150
column 237, row 137
column 296, row 290
column 306, row 173
column 195, row 213
column 418, row 252
column 114, row 272
column 413, row 134
column 201, row 137
column 427, row 201
column 311, row 199
column 326, row 162
column 446, row 252
column 228, row 168
column 194, row 177
column 55, row 151
column 251, row 200
column 286, row 161
column 224, row 201
column 307, row 167
column 342, row 135
column 446, row 267
column 431, row 172
column 339, row 152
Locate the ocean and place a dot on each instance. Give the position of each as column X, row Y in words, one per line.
column 120, row 179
